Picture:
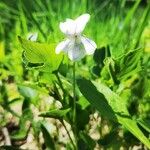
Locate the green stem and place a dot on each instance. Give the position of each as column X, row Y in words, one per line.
column 74, row 103
column 74, row 95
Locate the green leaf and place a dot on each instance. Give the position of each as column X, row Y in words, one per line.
column 99, row 55
column 110, row 65
column 96, row 99
column 27, row 92
column 56, row 113
column 36, row 125
column 99, row 94
column 145, row 124
column 24, row 125
column 20, row 134
column 41, row 56
column 47, row 137
column 132, row 126
column 83, row 103
column 14, row 101
column 83, row 119
column 129, row 64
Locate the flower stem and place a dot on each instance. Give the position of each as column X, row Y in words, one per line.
column 74, row 94
column 74, row 103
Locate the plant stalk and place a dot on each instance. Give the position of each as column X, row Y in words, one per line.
column 74, row 95
column 74, row 103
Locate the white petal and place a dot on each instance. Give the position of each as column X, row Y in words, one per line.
column 89, row 45
column 32, row 36
column 81, row 22
column 63, row 27
column 76, row 52
column 62, row 46
column 68, row 27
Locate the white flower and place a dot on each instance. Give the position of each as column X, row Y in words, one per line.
column 32, row 36
column 76, row 45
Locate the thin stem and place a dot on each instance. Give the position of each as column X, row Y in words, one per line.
column 68, row 134
column 74, row 95
column 74, row 104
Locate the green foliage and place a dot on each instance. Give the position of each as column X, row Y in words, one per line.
column 83, row 103
column 96, row 96
column 129, row 64
column 41, row 56
column 91, row 94
column 47, row 138
column 24, row 126
column 145, row 124
column 86, row 142
column 111, row 140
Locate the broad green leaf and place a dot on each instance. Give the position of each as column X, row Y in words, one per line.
column 56, row 113
column 103, row 99
column 50, row 145
column 119, row 106
column 41, row 56
column 97, row 99
column 82, row 119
